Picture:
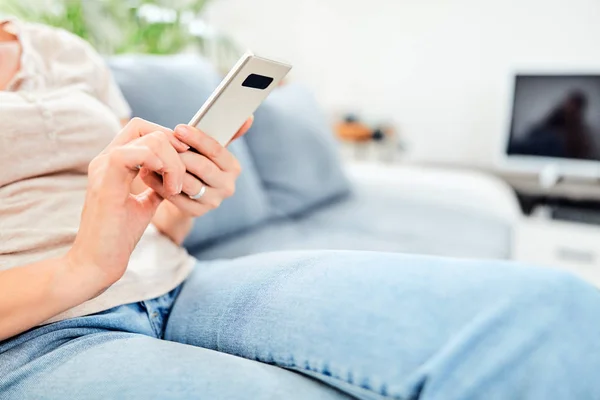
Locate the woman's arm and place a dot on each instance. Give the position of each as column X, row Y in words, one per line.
column 113, row 219
column 34, row 293
column 112, row 222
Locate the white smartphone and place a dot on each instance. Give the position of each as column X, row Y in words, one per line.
column 244, row 88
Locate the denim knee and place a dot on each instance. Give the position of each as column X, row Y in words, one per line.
column 557, row 310
column 547, row 287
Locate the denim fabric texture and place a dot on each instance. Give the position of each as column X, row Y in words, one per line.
column 326, row 325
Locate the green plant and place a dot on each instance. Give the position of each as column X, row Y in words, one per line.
column 131, row 26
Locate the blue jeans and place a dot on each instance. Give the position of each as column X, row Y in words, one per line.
column 326, row 325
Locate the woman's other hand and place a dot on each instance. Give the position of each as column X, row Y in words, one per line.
column 113, row 220
column 211, row 171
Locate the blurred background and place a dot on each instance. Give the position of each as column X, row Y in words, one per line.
column 439, row 70
column 492, row 106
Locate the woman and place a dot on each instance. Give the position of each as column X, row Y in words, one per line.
column 84, row 315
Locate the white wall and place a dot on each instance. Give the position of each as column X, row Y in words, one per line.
column 440, row 69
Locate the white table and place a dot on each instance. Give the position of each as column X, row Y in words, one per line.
column 566, row 245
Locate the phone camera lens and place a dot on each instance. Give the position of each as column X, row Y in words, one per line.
column 256, row 81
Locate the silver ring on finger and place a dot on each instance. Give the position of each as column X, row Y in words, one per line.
column 198, row 195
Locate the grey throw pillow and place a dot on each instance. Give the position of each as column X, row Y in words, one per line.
column 169, row 91
column 295, row 152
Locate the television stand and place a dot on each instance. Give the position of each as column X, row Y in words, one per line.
column 561, row 232
column 549, row 176
column 552, row 186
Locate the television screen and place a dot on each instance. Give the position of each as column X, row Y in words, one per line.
column 556, row 116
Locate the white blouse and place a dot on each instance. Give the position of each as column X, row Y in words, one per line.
column 60, row 111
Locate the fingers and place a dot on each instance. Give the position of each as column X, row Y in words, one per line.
column 211, row 199
column 119, row 167
column 208, row 147
column 137, row 128
column 199, row 207
column 173, row 170
column 203, row 168
column 133, row 156
column 192, row 186
column 153, row 152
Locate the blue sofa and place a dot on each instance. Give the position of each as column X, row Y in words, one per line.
column 295, row 193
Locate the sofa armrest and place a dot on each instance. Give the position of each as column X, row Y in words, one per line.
column 468, row 190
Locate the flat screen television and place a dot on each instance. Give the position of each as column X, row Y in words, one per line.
column 555, row 122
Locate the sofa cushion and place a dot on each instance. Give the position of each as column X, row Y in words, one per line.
column 169, row 91
column 166, row 90
column 294, row 151
column 378, row 219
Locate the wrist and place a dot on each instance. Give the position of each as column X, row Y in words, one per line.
column 172, row 222
column 84, row 276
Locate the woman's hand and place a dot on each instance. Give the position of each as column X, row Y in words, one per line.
column 113, row 220
column 213, row 168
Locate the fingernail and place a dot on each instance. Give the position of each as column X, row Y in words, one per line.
column 182, row 130
column 180, row 188
column 182, row 146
